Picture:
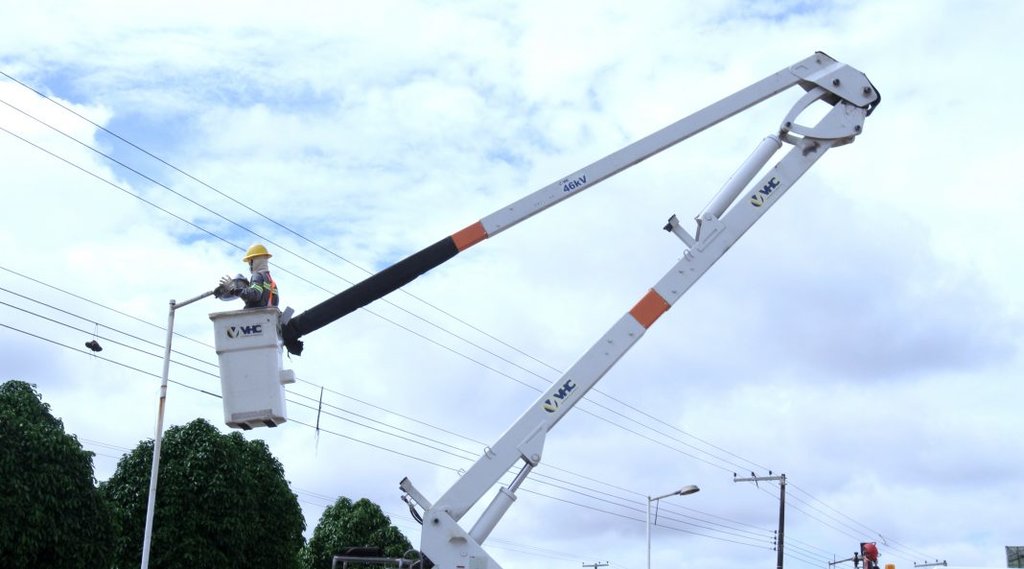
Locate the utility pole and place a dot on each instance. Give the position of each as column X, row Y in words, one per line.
column 596, row 564
column 935, row 563
column 781, row 479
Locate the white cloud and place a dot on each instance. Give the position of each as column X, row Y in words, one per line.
column 864, row 337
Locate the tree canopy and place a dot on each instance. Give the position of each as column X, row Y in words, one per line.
column 221, row 502
column 346, row 524
column 53, row 514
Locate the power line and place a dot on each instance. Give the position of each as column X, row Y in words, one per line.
column 474, row 360
column 597, row 391
column 106, row 359
column 461, row 453
column 352, row 438
column 150, row 342
column 103, row 306
column 572, row 489
column 733, row 537
column 465, row 455
column 890, row 543
column 492, row 353
column 532, row 550
column 258, row 213
column 365, row 442
column 839, row 526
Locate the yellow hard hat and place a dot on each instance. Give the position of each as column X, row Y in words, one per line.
column 256, row 250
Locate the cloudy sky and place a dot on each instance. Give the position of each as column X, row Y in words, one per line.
column 864, row 338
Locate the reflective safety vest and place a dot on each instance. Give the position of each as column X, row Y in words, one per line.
column 261, row 292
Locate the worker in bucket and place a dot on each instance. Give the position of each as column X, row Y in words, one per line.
column 261, row 290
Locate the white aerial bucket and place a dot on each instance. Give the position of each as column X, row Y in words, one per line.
column 248, row 344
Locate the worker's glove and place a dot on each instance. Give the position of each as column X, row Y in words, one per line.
column 223, row 290
column 229, row 287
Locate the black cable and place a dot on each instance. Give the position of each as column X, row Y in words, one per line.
column 103, row 306
column 322, row 268
column 478, row 362
column 238, row 225
column 873, row 532
column 583, row 408
column 332, row 273
column 106, row 359
column 62, row 311
column 379, row 447
column 573, row 487
column 260, row 214
column 407, row 455
column 400, row 437
column 569, row 486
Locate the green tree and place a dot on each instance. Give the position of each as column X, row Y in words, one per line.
column 346, row 524
column 222, row 502
column 53, row 514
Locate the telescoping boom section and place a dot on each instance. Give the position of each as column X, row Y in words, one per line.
column 821, row 76
column 849, row 97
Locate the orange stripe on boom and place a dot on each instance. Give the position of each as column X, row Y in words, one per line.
column 650, row 308
column 466, row 238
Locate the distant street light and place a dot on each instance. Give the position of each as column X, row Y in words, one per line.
column 684, row 491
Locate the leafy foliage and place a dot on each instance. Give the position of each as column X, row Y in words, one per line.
column 222, row 502
column 346, row 524
column 53, row 514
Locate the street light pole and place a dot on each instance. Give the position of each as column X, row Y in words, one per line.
column 147, row 537
column 684, row 491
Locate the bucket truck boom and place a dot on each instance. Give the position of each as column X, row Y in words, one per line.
column 731, row 212
column 444, row 542
column 821, row 76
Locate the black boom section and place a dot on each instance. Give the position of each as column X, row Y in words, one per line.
column 359, row 295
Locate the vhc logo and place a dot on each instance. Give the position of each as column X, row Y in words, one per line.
column 758, row 199
column 245, row 331
column 551, row 404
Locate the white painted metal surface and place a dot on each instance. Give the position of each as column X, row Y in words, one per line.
column 729, row 215
column 249, row 344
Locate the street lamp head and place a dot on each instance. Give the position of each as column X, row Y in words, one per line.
column 684, row 491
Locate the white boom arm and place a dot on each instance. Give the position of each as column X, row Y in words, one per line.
column 444, row 542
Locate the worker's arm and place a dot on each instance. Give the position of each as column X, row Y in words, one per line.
column 252, row 293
